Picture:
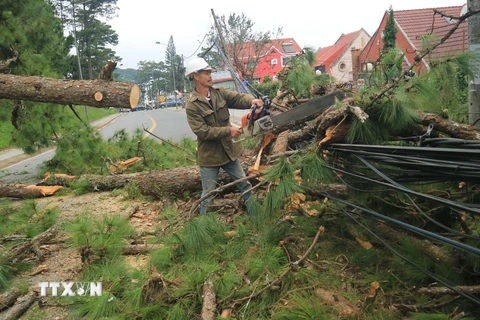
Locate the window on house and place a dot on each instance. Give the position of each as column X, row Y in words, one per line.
column 285, row 61
column 274, row 61
column 342, row 66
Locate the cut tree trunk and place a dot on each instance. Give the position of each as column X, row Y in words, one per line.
column 20, row 307
column 61, row 91
column 209, row 303
column 22, row 191
column 20, row 252
column 8, row 298
column 446, row 291
column 172, row 183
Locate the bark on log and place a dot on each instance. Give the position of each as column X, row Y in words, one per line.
column 453, row 129
column 172, row 183
column 209, row 304
column 61, row 91
column 20, row 307
column 9, row 298
column 139, row 249
column 445, row 290
column 22, row 191
column 20, row 252
column 176, row 182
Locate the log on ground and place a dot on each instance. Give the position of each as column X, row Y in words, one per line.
column 20, row 307
column 22, row 191
column 171, row 183
column 63, row 91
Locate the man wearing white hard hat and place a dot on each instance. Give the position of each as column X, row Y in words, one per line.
column 209, row 118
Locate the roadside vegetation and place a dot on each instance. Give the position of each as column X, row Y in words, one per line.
column 308, row 252
column 11, row 138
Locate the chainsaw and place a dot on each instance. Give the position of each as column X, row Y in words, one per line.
column 260, row 119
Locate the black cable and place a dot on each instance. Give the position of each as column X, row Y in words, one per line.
column 437, row 278
column 408, row 196
column 432, row 198
column 420, row 231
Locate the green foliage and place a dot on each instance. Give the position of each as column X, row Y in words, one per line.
column 82, row 150
column 303, row 306
column 30, row 29
column 161, row 258
column 6, row 271
column 105, row 235
column 313, row 171
column 25, row 219
column 300, row 75
column 449, row 81
column 107, row 305
column 390, row 32
column 367, row 132
column 268, row 258
column 269, row 88
column 201, row 234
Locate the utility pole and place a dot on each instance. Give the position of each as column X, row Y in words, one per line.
column 474, row 46
column 222, row 44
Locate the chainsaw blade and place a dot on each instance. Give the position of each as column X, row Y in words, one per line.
column 305, row 111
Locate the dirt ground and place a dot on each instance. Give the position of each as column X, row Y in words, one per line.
column 62, row 262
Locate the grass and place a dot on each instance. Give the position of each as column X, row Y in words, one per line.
column 6, row 127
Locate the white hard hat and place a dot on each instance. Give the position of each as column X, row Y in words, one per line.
column 195, row 65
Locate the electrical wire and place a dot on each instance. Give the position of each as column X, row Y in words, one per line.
column 432, row 198
column 411, row 200
column 203, row 40
column 407, row 226
column 437, row 278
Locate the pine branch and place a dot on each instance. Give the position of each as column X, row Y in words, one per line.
column 291, row 267
column 220, row 189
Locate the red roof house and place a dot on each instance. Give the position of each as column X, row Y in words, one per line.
column 337, row 59
column 272, row 57
column 412, row 26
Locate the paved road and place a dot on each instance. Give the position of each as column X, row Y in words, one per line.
column 167, row 123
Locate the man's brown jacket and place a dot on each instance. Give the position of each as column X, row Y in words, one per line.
column 210, row 121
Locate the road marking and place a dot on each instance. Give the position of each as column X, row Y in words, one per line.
column 153, row 127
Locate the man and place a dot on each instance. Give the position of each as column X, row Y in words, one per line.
column 209, row 118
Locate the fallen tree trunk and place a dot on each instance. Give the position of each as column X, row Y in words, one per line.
column 445, row 290
column 95, row 93
column 172, row 183
column 452, row 128
column 23, row 191
column 209, row 301
column 9, row 298
column 20, row 307
column 20, row 252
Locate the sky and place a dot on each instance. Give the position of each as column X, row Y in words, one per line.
column 141, row 23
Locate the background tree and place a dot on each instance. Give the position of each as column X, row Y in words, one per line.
column 243, row 46
column 33, row 37
column 390, row 32
column 95, row 35
column 84, row 20
column 175, row 64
